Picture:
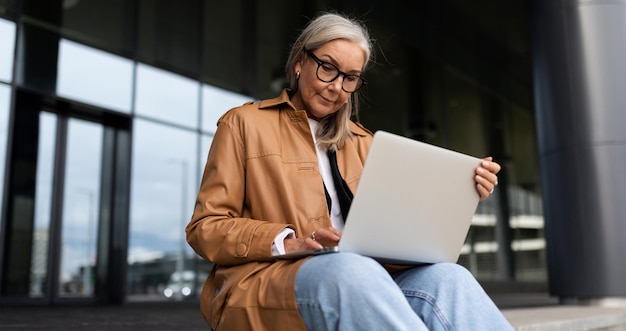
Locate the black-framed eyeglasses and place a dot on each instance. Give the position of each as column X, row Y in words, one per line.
column 328, row 72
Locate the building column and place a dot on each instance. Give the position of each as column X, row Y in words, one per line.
column 579, row 52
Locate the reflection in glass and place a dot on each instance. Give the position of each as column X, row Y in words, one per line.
column 5, row 98
column 229, row 71
column 7, row 47
column 463, row 123
column 164, row 184
column 80, row 208
column 105, row 24
column 93, row 76
column 525, row 205
column 215, row 102
column 43, row 198
column 166, row 96
column 168, row 33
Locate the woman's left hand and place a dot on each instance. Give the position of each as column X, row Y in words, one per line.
column 486, row 177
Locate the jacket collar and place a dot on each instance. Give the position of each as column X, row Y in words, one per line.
column 283, row 101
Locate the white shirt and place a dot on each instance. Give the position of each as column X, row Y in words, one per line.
column 324, row 164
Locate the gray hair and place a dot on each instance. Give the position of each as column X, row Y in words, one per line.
column 328, row 27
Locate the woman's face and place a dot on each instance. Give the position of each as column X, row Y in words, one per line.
column 320, row 99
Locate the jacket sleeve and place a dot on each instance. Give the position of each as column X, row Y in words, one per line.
column 219, row 231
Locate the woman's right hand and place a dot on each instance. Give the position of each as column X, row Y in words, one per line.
column 318, row 239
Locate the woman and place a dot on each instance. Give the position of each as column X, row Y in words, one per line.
column 267, row 189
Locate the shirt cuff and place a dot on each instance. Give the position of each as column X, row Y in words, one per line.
column 278, row 247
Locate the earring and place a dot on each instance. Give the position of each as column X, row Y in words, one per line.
column 297, row 74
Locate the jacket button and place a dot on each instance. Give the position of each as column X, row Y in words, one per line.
column 242, row 249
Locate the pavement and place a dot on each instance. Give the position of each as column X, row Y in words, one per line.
column 567, row 318
column 179, row 316
column 526, row 312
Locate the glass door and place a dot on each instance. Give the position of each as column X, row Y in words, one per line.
column 65, row 233
column 68, row 204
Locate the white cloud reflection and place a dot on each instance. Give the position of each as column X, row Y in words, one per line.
column 140, row 254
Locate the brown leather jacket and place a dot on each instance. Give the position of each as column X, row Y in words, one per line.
column 261, row 176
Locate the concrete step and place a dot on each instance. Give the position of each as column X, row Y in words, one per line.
column 567, row 318
column 531, row 308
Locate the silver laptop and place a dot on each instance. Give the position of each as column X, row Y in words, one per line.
column 414, row 203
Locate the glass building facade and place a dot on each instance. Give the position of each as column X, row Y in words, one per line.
column 107, row 110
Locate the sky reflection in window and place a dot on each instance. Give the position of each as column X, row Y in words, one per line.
column 215, row 102
column 167, row 96
column 94, row 76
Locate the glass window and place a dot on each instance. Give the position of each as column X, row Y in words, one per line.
column 524, row 195
column 8, row 8
column 103, row 24
column 163, row 190
column 7, row 47
column 223, row 34
column 5, row 98
column 166, row 96
column 93, row 76
column 37, row 69
column 276, row 29
column 43, row 198
column 463, row 115
column 169, row 34
column 215, row 102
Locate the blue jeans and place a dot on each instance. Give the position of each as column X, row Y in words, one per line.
column 345, row 291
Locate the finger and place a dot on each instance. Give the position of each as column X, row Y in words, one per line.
column 301, row 244
column 488, row 181
column 333, row 233
column 312, row 244
column 487, row 175
column 482, row 192
column 490, row 165
column 484, row 187
column 327, row 235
